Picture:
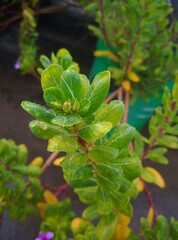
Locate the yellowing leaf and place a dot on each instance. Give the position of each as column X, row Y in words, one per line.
column 158, row 179
column 41, row 207
column 58, row 161
column 137, row 61
column 122, row 231
column 150, row 217
column 139, row 184
column 106, row 53
column 37, row 162
column 76, row 225
column 133, row 77
column 50, row 198
column 126, row 85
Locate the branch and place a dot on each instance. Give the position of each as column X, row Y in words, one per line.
column 111, row 96
column 126, row 103
column 149, row 198
column 49, row 161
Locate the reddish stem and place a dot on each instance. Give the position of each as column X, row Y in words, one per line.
column 149, row 198
column 112, row 95
column 49, row 161
column 126, row 103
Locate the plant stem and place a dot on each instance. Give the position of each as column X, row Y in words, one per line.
column 49, row 161
column 126, row 103
column 57, row 190
column 149, row 198
column 112, row 95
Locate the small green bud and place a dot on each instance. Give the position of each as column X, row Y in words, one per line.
column 67, row 107
column 56, row 105
column 76, row 106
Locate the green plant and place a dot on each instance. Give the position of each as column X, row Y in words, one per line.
column 101, row 162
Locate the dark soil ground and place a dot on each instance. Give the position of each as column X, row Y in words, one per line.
column 72, row 34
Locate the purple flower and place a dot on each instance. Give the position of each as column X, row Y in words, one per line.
column 170, row 2
column 45, row 236
column 17, row 64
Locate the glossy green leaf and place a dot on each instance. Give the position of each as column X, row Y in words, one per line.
column 112, row 112
column 162, row 228
column 127, row 210
column 106, row 226
column 22, row 153
column 173, row 229
column 66, row 121
column 98, row 90
column 156, row 155
column 120, row 200
column 39, row 112
column 27, row 170
column 172, row 130
column 87, row 195
column 85, row 84
column 90, row 213
column 103, row 154
column 138, row 144
column 168, row 141
column 51, row 77
column 94, row 131
column 63, row 52
column 82, row 173
column 53, row 95
column 121, row 137
column 84, row 106
column 131, row 167
column 45, row 131
column 62, row 143
column 71, row 85
column 104, row 203
column 45, row 61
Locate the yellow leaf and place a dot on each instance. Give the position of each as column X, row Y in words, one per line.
column 137, row 61
column 159, row 181
column 122, row 231
column 150, row 217
column 108, row 54
column 133, row 77
column 58, row 161
column 76, row 225
column 41, row 207
column 126, row 85
column 139, row 184
column 50, row 198
column 37, row 162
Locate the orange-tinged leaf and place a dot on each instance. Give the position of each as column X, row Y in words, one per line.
column 122, row 231
column 58, row 161
column 133, row 77
column 137, row 61
column 37, row 162
column 139, row 184
column 41, row 207
column 158, row 179
column 106, row 53
column 50, row 198
column 126, row 85
column 150, row 217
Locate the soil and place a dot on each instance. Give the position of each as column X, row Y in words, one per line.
column 14, row 121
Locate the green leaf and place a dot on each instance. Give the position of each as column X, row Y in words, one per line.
column 66, row 121
column 39, row 112
column 103, row 154
column 168, row 141
column 82, row 173
column 104, row 203
column 120, row 200
column 53, row 95
column 94, row 131
column 98, row 90
column 22, row 153
column 45, row 61
column 106, row 227
column 27, row 170
column 161, row 228
column 156, row 155
column 90, row 213
column 84, row 106
column 112, row 112
column 131, row 167
column 121, row 136
column 45, row 131
column 138, row 144
column 172, row 130
column 71, row 85
column 51, row 77
column 87, row 195
column 127, row 210
column 108, row 176
column 175, row 88
column 85, row 84
column 173, row 229
column 63, row 143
